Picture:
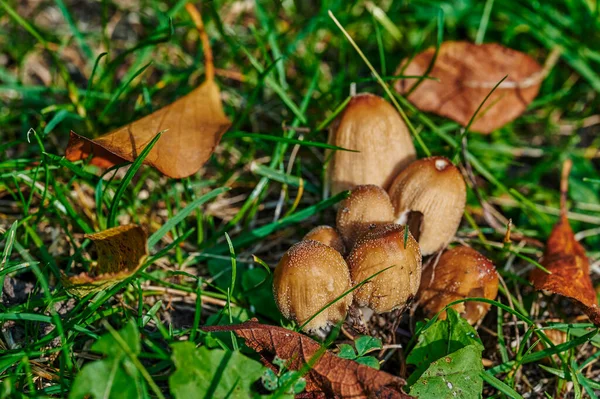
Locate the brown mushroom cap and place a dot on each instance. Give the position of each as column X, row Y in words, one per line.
column 328, row 236
column 460, row 273
column 372, row 126
column 430, row 196
column 377, row 250
column 309, row 276
column 366, row 207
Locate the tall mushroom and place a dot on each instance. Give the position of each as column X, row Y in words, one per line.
column 430, row 196
column 308, row 277
column 372, row 127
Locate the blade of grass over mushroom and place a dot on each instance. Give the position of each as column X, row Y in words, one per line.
column 182, row 214
column 355, row 287
column 383, row 85
column 114, row 207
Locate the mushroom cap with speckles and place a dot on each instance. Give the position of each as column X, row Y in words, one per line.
column 328, row 236
column 371, row 126
column 367, row 207
column 385, row 246
column 434, row 188
column 460, row 273
column 309, row 276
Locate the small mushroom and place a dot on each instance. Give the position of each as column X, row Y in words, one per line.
column 309, row 276
column 430, row 196
column 371, row 126
column 385, row 246
column 460, row 273
column 328, row 236
column 367, row 207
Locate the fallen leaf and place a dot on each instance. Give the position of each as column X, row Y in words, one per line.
column 115, row 376
column 328, row 376
column 204, row 373
column 447, row 357
column 121, row 251
column 453, row 376
column 565, row 258
column 192, row 126
column 466, row 74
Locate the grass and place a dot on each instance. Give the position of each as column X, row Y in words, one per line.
column 285, row 71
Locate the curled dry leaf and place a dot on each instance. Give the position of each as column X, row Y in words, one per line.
column 194, row 125
column 565, row 258
column 121, row 251
column 466, row 73
column 329, row 376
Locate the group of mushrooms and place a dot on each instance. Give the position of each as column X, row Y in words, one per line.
column 399, row 210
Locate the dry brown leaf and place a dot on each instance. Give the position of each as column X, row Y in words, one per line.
column 121, row 251
column 192, row 126
column 330, row 376
column 565, row 258
column 467, row 73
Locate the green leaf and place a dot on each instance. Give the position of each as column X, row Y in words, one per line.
column 299, row 384
column 366, row 344
column 115, row 376
column 453, row 376
column 204, row 373
column 369, row 361
column 440, row 339
column 346, row 352
column 269, row 380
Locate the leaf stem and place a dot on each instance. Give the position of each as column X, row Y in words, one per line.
column 208, row 56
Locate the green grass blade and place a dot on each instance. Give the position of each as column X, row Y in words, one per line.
column 182, row 214
column 112, row 214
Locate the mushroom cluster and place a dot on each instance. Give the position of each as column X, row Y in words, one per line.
column 399, row 210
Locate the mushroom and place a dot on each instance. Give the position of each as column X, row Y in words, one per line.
column 366, row 207
column 308, row 277
column 372, row 127
column 385, row 246
column 328, row 236
column 430, row 196
column 460, row 273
